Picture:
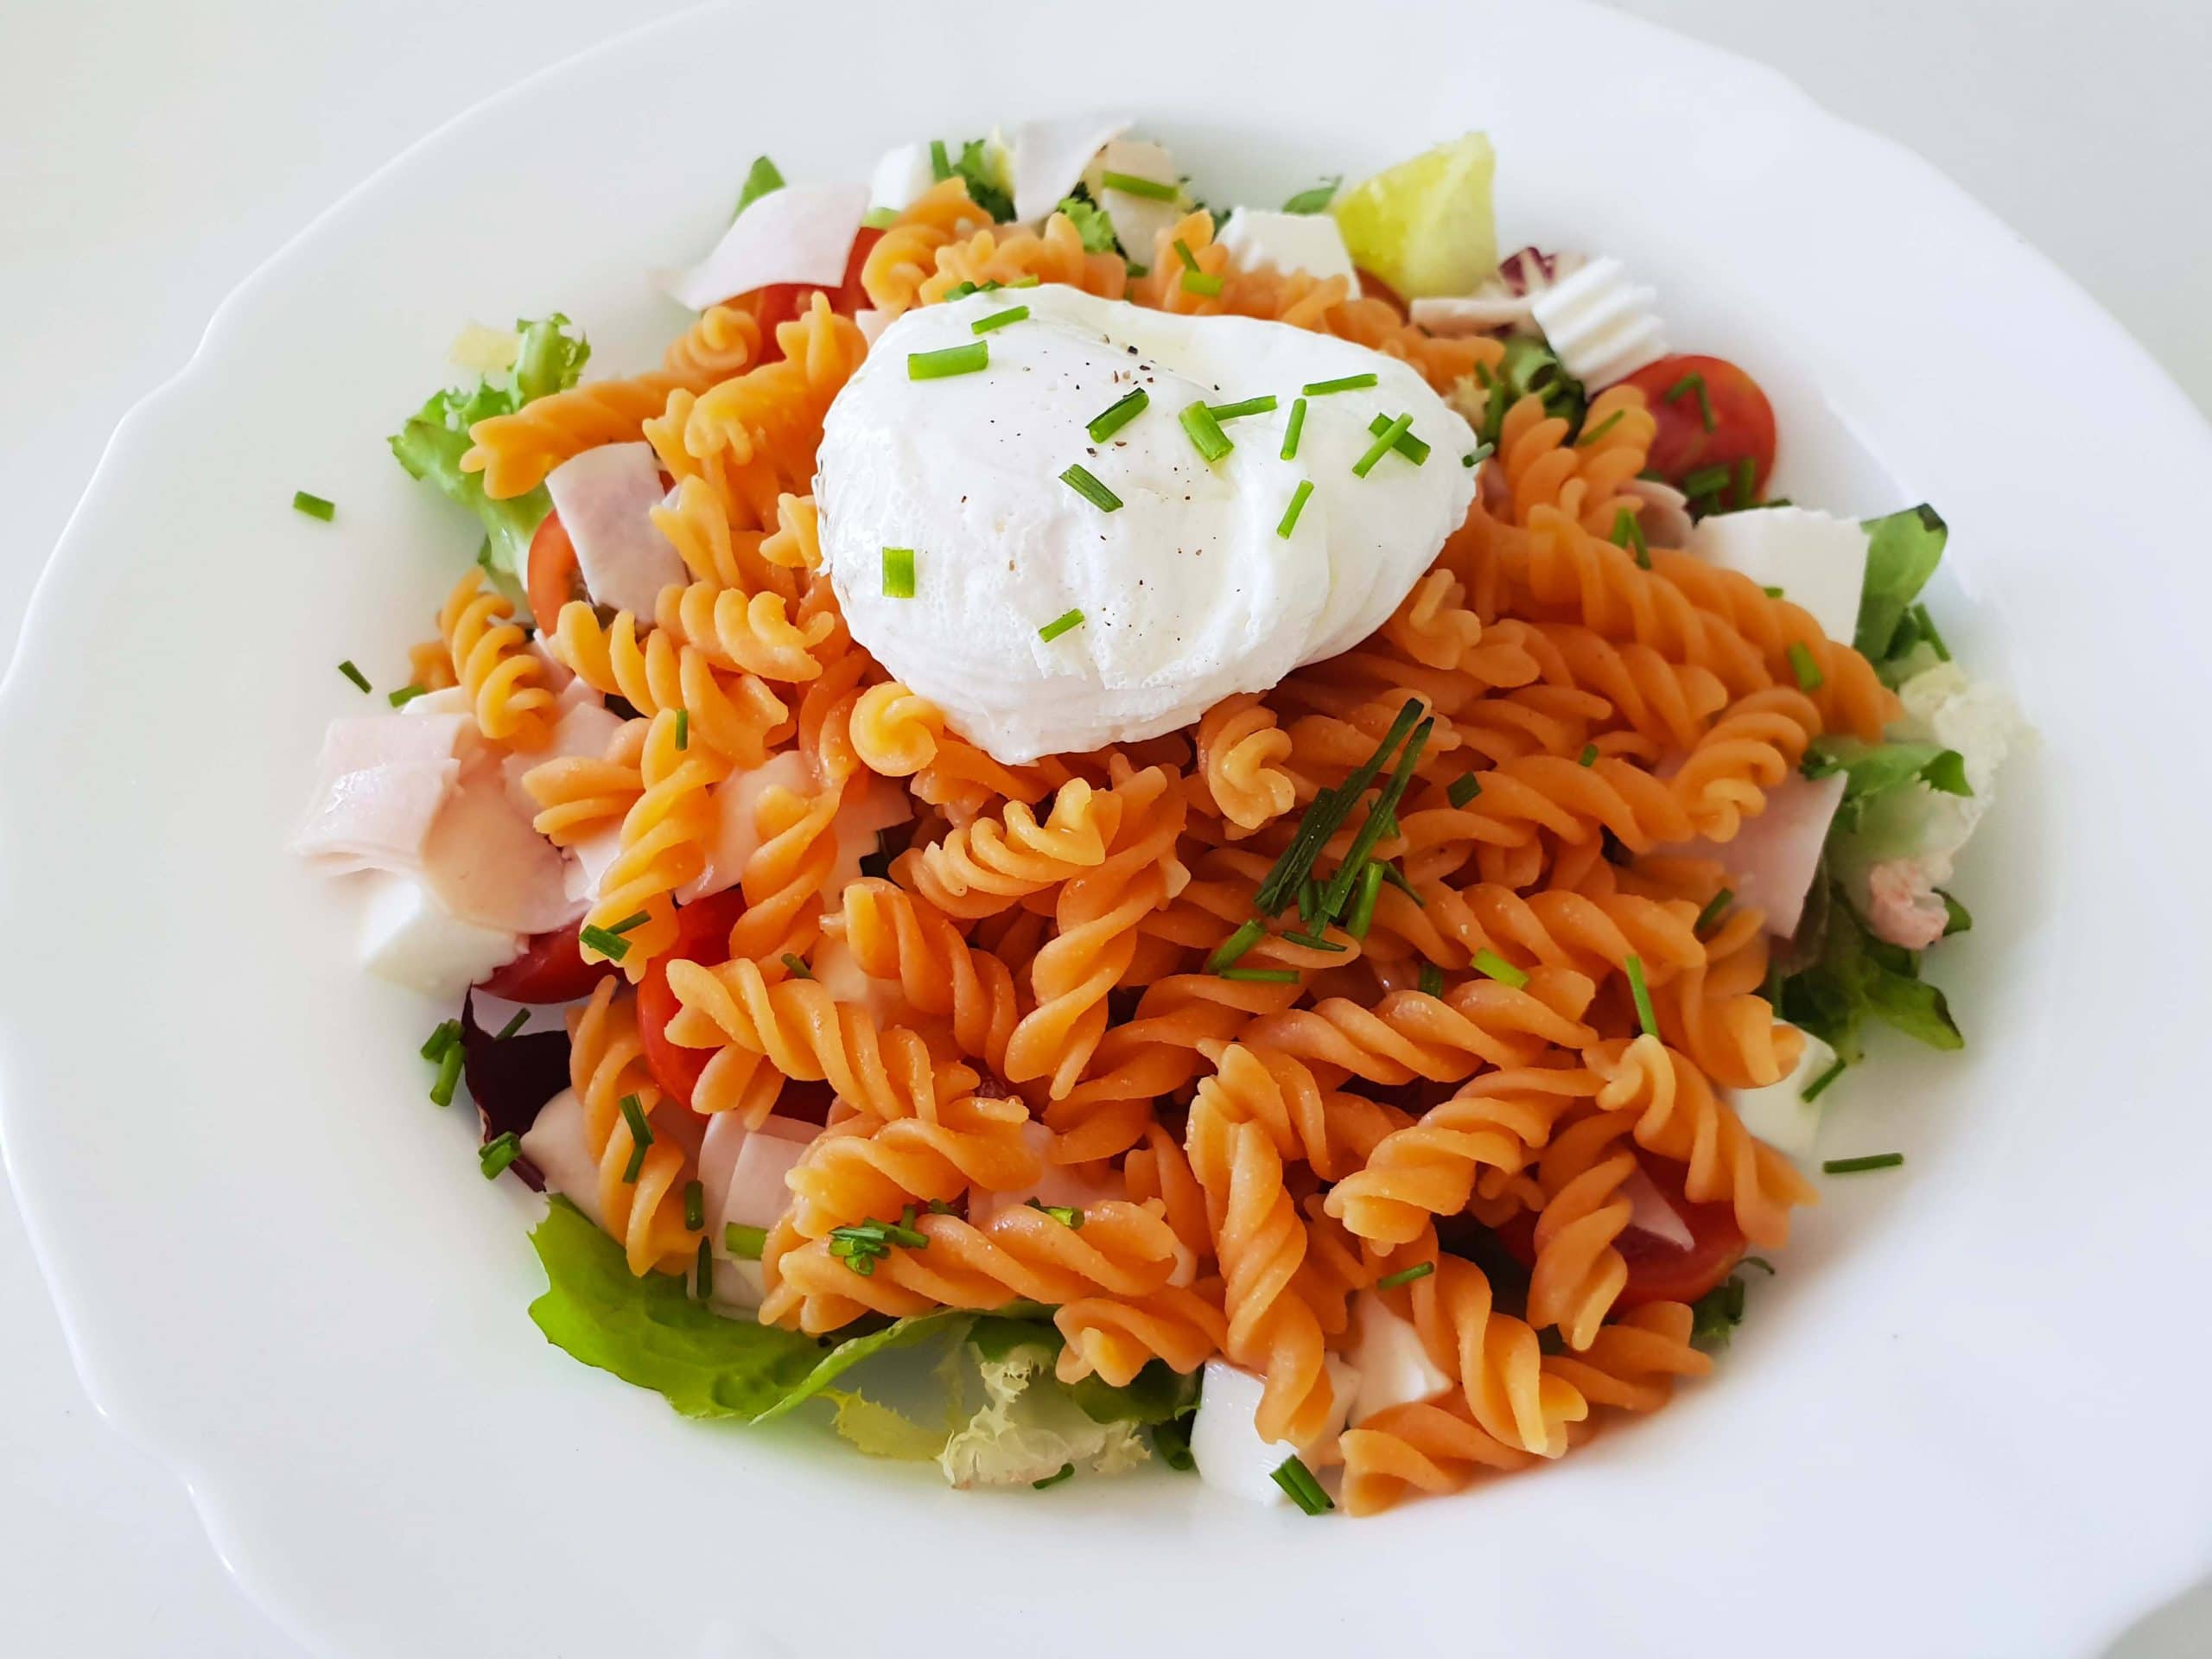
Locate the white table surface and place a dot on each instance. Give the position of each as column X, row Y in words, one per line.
column 152, row 154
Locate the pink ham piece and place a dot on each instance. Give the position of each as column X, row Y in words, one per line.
column 1771, row 862
column 801, row 233
column 605, row 498
column 1049, row 157
column 380, row 783
column 484, row 862
column 871, row 803
column 1650, row 1212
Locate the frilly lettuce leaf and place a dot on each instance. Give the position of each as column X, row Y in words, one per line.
column 1856, row 977
column 430, row 446
column 651, row 1332
column 1093, row 224
column 1030, row 1428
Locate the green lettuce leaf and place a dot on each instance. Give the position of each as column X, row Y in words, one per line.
column 1903, row 550
column 1857, row 977
column 430, row 445
column 1093, row 223
column 1873, row 770
column 762, row 178
column 987, row 185
column 650, row 1331
column 1031, row 1427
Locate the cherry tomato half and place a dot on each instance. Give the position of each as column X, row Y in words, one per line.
column 550, row 968
column 701, row 935
column 1658, row 1271
column 780, row 303
column 552, row 577
column 1733, row 420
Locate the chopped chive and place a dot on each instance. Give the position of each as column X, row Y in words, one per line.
column 1384, row 813
column 1382, row 445
column 694, row 1205
column 1067, row 1215
column 1117, row 416
column 704, row 1275
column 435, row 1044
column 998, row 320
column 521, row 1019
column 1315, row 201
column 1059, row 625
column 630, row 924
column 314, row 506
column 1261, row 975
column 1747, row 482
column 1803, row 665
column 449, row 1075
column 613, row 946
column 1601, row 428
column 1404, row 1275
column 1396, row 878
column 797, row 965
column 353, row 674
column 1030, row 280
column 1298, row 1483
column 1289, row 521
column 744, row 1242
column 1226, row 954
column 1928, row 632
column 1462, row 790
column 641, row 1137
column 682, row 728
column 880, row 218
column 1431, row 979
column 497, row 1153
column 1342, row 383
column 1853, row 1166
column 1771, row 592
column 1321, row 819
column 1714, row 909
column 1684, row 387
column 1198, row 282
column 898, row 573
column 940, row 163
column 1081, row 479
column 407, row 693
column 1814, row 1090
column 1408, row 445
column 1204, row 432
column 1707, row 480
column 1297, row 425
column 1183, row 252
column 952, row 360
column 1309, row 904
column 1312, row 942
column 1589, row 755
column 1642, row 992
column 1490, row 965
column 1628, row 533
column 1362, row 903
column 1130, row 184
column 1067, row 1470
column 1261, row 405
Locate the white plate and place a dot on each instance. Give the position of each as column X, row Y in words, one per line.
column 1964, row 1420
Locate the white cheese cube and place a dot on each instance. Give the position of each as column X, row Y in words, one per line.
column 1818, row 560
column 1259, row 238
column 1393, row 1363
column 555, row 1143
column 410, row 938
column 1225, row 1438
column 1603, row 327
column 1779, row 1114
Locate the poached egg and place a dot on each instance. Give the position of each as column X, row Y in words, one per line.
column 1200, row 584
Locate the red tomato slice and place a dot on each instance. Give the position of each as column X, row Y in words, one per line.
column 552, row 576
column 551, row 969
column 781, row 303
column 1658, row 1271
column 701, row 935
column 1743, row 420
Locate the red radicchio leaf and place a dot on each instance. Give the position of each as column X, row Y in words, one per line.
column 510, row 1078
